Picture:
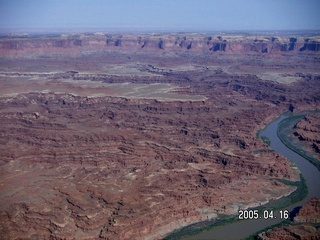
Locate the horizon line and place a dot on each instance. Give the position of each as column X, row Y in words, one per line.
column 6, row 30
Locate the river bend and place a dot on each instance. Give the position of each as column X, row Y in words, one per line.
column 244, row 228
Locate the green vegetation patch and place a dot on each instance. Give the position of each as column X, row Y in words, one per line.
column 262, row 151
column 266, row 140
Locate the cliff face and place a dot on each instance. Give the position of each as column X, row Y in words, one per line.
column 166, row 43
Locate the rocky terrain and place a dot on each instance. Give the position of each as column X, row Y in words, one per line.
column 224, row 43
column 309, row 213
column 307, row 224
column 119, row 138
column 307, row 130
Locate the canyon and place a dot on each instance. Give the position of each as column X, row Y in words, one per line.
column 133, row 136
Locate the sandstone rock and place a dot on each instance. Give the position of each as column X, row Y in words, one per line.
column 309, row 213
column 309, row 219
column 307, row 130
column 291, row 233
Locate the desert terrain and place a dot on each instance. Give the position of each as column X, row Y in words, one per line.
column 305, row 224
column 133, row 136
column 307, row 131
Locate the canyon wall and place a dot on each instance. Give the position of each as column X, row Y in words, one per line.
column 224, row 44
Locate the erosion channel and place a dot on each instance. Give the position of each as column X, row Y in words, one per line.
column 244, row 228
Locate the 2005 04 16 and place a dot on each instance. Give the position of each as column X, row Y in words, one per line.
column 266, row 214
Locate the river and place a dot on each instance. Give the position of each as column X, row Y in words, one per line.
column 245, row 228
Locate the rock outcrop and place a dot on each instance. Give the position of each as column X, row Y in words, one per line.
column 305, row 232
column 308, row 218
column 307, row 130
column 309, row 213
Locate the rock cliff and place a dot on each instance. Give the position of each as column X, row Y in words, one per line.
column 224, row 44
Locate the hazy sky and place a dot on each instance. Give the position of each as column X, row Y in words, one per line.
column 178, row 15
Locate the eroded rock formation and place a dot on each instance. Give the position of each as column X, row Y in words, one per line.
column 106, row 167
column 308, row 215
column 307, row 130
column 79, row 165
column 227, row 44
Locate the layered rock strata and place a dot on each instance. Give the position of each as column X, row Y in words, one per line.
column 225, row 43
column 76, row 165
column 123, row 169
column 307, row 130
